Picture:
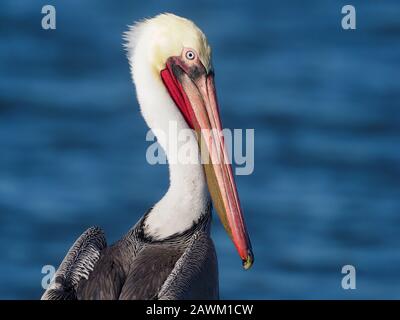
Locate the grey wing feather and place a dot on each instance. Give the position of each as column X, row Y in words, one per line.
column 149, row 270
column 107, row 278
column 195, row 275
column 77, row 265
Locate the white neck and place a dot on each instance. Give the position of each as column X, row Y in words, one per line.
column 187, row 197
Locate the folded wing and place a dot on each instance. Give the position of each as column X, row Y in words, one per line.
column 77, row 265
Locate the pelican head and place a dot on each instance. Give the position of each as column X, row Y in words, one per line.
column 170, row 55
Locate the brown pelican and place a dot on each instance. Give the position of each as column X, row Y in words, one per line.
column 168, row 254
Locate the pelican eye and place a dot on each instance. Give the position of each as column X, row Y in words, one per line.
column 190, row 55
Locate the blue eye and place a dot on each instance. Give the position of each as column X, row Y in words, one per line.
column 190, row 55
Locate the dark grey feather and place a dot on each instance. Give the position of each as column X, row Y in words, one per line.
column 77, row 264
column 195, row 275
column 149, row 270
column 107, row 278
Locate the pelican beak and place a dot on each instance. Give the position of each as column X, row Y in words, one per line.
column 193, row 90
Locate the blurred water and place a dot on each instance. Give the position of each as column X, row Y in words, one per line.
column 324, row 103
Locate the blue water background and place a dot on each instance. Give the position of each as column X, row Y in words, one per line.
column 324, row 103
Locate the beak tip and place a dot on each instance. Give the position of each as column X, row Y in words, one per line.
column 248, row 262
